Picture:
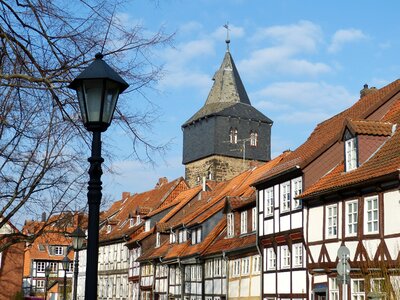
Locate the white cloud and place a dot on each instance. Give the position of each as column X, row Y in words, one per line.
column 286, row 56
column 345, row 36
column 190, row 27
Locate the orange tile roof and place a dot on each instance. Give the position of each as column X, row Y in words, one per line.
column 325, row 134
column 224, row 244
column 369, row 127
column 384, row 162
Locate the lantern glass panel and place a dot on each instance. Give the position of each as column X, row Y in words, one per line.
column 93, row 93
column 110, row 100
column 82, row 106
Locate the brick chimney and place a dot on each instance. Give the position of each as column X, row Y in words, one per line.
column 366, row 90
column 125, row 195
column 161, row 182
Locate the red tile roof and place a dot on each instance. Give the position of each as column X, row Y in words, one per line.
column 325, row 134
column 368, row 127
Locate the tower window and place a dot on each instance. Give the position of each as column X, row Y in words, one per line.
column 253, row 138
column 233, row 136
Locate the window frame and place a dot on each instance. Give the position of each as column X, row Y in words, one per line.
column 285, row 196
column 297, row 188
column 297, row 250
column 254, row 219
column 271, row 259
column 351, row 220
column 230, row 228
column 374, row 221
column 243, row 222
column 333, row 288
column 356, row 293
column 269, row 202
column 285, row 257
column 333, row 226
column 350, row 152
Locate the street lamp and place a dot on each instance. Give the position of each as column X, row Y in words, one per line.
column 78, row 237
column 46, row 274
column 65, row 265
column 98, row 88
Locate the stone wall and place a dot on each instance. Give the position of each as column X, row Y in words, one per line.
column 219, row 167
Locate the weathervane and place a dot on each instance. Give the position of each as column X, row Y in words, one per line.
column 227, row 41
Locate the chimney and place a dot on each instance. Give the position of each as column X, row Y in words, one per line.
column 125, row 195
column 366, row 90
column 44, row 216
column 161, row 182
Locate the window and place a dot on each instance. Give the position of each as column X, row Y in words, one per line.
column 53, row 266
column 40, row 284
column 233, row 136
column 285, row 196
column 297, row 189
column 41, row 247
column 182, row 237
column 271, row 262
column 253, row 138
column 158, row 239
column 208, row 269
column 331, row 221
column 236, row 268
column 285, row 257
column 254, row 219
column 108, row 228
column 196, row 235
column 351, row 154
column 131, row 222
column 371, row 214
column 351, row 217
column 56, row 250
column 256, row 267
column 246, row 266
column 357, row 289
column 378, row 285
column 298, row 255
column 40, row 266
column 269, row 201
column 138, row 220
column 230, row 225
column 333, row 289
column 147, row 225
column 217, row 267
column 243, row 222
column 172, row 237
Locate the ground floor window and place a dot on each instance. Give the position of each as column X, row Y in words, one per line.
column 357, row 289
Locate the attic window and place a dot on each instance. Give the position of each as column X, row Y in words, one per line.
column 230, row 225
column 172, row 237
column 138, row 220
column 158, row 240
column 147, row 225
column 131, row 222
column 108, row 228
column 196, row 235
column 253, row 138
column 350, row 149
column 233, row 136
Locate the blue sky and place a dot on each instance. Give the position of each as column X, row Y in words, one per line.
column 300, row 61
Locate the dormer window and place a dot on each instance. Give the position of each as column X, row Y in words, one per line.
column 131, row 222
column 233, row 136
column 351, row 153
column 182, row 236
column 158, row 240
column 147, row 225
column 230, row 225
column 108, row 228
column 243, row 222
column 172, row 237
column 196, row 235
column 138, row 220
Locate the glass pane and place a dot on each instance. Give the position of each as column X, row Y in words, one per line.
column 81, row 100
column 110, row 100
column 93, row 96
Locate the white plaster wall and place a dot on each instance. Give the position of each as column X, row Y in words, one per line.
column 276, row 220
column 234, row 288
column 339, row 220
column 276, row 196
column 255, row 286
column 299, row 283
column 297, row 219
column 352, row 248
column 269, row 226
column 320, row 278
column 245, row 287
column 371, row 246
column 269, row 283
column 393, row 245
column 261, row 200
column 284, row 282
column 261, row 225
column 314, row 251
column 332, row 249
column 391, row 210
column 285, row 223
column 316, row 219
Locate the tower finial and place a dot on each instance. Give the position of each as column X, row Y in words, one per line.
column 227, row 41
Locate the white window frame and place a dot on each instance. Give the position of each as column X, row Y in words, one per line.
column 245, row 270
column 331, row 220
column 243, row 222
column 40, row 283
column 147, row 224
column 254, row 219
column 269, row 202
column 285, row 257
column 297, row 255
column 233, row 136
column 297, row 188
column 357, row 290
column 253, row 138
column 158, row 240
column 217, row 267
column 230, row 225
column 236, row 267
column 351, row 217
column 285, row 196
column 333, row 289
column 351, row 154
column 40, row 266
column 172, row 237
column 271, row 259
column 371, row 215
column 256, row 264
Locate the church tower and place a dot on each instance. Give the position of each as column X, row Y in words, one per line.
column 227, row 134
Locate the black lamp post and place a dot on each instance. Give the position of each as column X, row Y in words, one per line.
column 78, row 237
column 46, row 274
column 65, row 265
column 98, row 88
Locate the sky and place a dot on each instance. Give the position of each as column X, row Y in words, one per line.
column 301, row 62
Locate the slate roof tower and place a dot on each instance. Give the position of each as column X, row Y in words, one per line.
column 227, row 133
